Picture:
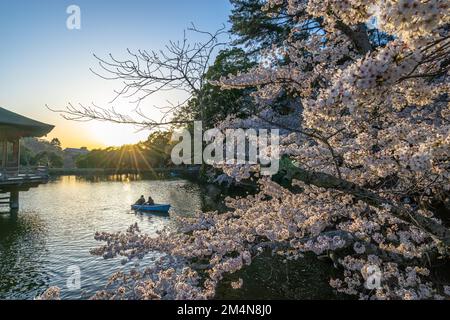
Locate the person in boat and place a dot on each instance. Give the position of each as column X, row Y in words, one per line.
column 141, row 201
column 150, row 201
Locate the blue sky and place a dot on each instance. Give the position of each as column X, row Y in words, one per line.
column 42, row 62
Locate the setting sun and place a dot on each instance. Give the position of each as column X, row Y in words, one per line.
column 110, row 135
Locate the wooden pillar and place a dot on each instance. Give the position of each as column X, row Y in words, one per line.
column 12, row 157
column 2, row 159
column 3, row 153
column 16, row 153
column 14, row 201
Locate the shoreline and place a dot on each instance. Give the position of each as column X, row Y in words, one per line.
column 192, row 171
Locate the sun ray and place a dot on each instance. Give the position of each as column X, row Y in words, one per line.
column 149, row 166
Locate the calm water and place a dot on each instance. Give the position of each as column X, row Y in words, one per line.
column 55, row 226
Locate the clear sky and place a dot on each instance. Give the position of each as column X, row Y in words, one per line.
column 42, row 62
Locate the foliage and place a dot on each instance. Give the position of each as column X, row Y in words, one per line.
column 153, row 153
column 50, row 159
column 218, row 104
column 55, row 142
column 35, row 152
column 255, row 29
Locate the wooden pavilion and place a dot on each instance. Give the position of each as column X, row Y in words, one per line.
column 14, row 179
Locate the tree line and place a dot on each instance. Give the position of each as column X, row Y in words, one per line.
column 145, row 155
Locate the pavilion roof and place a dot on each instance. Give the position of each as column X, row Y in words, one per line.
column 13, row 126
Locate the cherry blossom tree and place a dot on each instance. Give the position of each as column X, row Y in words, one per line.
column 371, row 159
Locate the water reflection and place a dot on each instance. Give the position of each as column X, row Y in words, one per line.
column 22, row 251
column 106, row 178
column 55, row 226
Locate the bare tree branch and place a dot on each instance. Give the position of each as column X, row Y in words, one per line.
column 180, row 67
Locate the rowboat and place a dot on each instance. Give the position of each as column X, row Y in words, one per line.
column 151, row 208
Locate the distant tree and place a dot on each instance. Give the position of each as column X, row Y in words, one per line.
column 158, row 147
column 26, row 156
column 46, row 158
column 56, row 143
column 56, row 161
column 254, row 28
column 41, row 158
column 82, row 162
column 152, row 153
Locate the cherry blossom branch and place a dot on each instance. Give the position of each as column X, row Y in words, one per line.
column 324, row 180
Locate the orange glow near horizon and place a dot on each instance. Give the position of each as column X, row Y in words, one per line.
column 95, row 135
column 47, row 64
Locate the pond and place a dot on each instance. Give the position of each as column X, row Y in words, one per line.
column 55, row 226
